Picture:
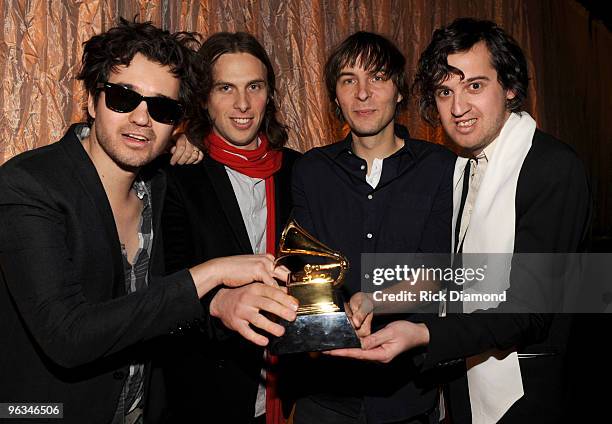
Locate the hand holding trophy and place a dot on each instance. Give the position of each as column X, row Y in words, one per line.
column 320, row 324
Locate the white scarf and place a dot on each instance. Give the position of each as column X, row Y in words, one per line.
column 495, row 384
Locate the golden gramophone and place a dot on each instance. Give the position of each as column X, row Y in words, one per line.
column 320, row 324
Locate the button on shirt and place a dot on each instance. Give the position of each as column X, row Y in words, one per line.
column 409, row 208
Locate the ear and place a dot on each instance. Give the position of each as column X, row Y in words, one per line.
column 510, row 94
column 399, row 98
column 336, row 101
column 91, row 106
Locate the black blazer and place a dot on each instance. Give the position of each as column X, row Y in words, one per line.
column 213, row 379
column 68, row 330
column 553, row 211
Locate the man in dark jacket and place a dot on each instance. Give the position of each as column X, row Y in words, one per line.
column 236, row 201
column 80, row 234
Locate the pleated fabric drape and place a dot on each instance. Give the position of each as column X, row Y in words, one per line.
column 569, row 59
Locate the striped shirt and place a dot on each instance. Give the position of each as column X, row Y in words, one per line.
column 136, row 278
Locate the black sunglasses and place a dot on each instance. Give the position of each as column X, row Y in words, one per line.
column 121, row 99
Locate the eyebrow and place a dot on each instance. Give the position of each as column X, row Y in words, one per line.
column 217, row 83
column 352, row 74
column 479, row 77
column 131, row 87
column 466, row 81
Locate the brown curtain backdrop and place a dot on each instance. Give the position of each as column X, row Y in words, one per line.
column 569, row 58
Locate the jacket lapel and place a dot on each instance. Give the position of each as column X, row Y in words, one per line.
column 158, row 194
column 282, row 197
column 225, row 193
column 85, row 172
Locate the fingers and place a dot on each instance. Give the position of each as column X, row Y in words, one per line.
column 377, row 355
column 268, row 326
column 281, row 273
column 360, row 316
column 195, row 157
column 178, row 150
column 361, row 310
column 354, row 353
column 265, row 273
column 269, row 280
column 190, row 155
column 276, row 302
column 270, row 272
column 366, row 327
column 241, row 307
column 377, row 339
column 248, row 333
column 185, row 153
column 235, row 271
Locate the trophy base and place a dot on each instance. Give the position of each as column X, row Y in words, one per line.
column 313, row 333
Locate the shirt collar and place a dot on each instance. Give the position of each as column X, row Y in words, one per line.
column 487, row 152
column 345, row 146
column 82, row 131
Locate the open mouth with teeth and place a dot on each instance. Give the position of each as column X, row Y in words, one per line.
column 139, row 138
column 466, row 124
column 241, row 121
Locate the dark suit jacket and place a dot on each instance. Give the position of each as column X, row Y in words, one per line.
column 213, row 379
column 553, row 209
column 68, row 330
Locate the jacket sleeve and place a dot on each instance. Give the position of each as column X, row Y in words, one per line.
column 179, row 252
column 178, row 239
column 437, row 229
column 47, row 286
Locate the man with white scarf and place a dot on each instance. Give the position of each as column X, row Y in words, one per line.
column 516, row 190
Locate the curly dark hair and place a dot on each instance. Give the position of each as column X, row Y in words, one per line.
column 212, row 49
column 372, row 52
column 506, row 57
column 103, row 53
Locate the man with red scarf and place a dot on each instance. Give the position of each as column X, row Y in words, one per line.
column 236, row 201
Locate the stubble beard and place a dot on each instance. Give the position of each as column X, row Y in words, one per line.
column 129, row 160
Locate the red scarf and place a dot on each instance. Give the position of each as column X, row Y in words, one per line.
column 259, row 163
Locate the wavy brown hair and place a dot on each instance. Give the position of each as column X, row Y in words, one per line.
column 433, row 69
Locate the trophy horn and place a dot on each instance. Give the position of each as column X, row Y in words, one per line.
column 297, row 241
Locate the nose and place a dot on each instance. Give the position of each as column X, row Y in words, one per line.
column 460, row 105
column 140, row 115
column 242, row 101
column 363, row 91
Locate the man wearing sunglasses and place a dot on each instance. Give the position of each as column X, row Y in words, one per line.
column 80, row 242
column 236, row 201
